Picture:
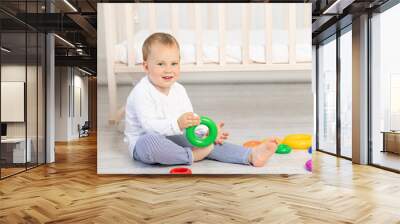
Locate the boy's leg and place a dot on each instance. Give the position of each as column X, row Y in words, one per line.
column 227, row 152
column 157, row 149
column 179, row 140
column 198, row 153
column 230, row 153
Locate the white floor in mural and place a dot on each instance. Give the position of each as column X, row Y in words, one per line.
column 250, row 111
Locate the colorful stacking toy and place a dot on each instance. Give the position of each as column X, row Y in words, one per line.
column 283, row 149
column 180, row 170
column 208, row 140
column 285, row 146
column 298, row 141
column 309, row 165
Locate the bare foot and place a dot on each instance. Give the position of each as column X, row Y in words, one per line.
column 201, row 153
column 261, row 153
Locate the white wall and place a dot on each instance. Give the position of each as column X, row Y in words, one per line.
column 67, row 115
column 79, row 117
column 61, row 105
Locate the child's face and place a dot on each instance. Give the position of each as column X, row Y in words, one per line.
column 162, row 66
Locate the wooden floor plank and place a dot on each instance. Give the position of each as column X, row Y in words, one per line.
column 70, row 191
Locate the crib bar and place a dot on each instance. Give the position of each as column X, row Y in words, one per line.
column 190, row 8
column 152, row 17
column 210, row 22
column 109, row 38
column 221, row 28
column 292, row 33
column 245, row 33
column 196, row 20
column 130, row 17
column 199, row 36
column 174, row 19
column 307, row 15
column 268, row 33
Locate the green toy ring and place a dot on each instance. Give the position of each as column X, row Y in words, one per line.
column 283, row 149
column 212, row 133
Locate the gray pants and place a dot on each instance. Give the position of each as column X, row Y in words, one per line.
column 174, row 150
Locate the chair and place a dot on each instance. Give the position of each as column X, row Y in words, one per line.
column 84, row 130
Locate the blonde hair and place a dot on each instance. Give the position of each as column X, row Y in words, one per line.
column 162, row 38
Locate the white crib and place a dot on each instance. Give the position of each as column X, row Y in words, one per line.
column 203, row 49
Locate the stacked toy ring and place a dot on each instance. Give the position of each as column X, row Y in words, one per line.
column 180, row 170
column 283, row 149
column 199, row 142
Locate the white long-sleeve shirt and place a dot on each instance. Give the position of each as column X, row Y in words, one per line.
column 150, row 111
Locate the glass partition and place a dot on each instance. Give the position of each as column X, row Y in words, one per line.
column 327, row 96
column 13, row 95
column 32, row 86
column 385, row 89
column 346, row 94
column 22, row 77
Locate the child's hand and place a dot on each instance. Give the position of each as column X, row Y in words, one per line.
column 222, row 136
column 188, row 119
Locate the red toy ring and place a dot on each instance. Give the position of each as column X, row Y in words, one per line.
column 180, row 170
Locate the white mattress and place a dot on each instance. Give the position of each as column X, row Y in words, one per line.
column 186, row 38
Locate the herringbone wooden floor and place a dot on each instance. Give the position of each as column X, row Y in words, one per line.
column 70, row 191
